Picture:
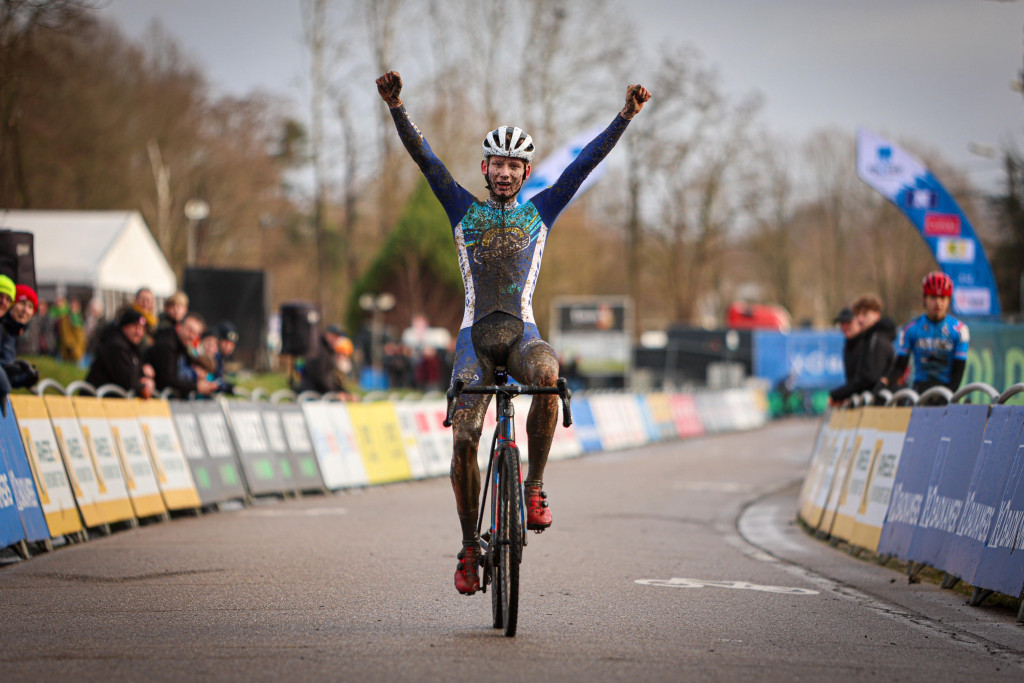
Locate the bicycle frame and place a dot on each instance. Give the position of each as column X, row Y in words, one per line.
column 505, row 429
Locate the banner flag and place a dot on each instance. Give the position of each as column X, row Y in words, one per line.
column 904, row 181
column 544, row 174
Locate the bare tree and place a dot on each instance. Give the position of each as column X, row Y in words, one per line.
column 685, row 172
column 770, row 204
column 22, row 24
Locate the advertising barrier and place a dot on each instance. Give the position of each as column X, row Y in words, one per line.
column 952, row 467
column 297, row 443
column 173, row 473
column 99, row 503
column 1002, row 563
column 979, row 551
column 127, row 437
column 21, row 513
column 92, row 421
column 52, row 484
column 936, row 486
column 334, row 443
column 911, row 484
column 890, row 426
column 266, row 470
column 216, row 471
column 379, row 442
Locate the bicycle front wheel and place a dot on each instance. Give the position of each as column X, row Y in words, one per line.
column 510, row 534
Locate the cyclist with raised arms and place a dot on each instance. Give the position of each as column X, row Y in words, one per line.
column 500, row 244
column 937, row 341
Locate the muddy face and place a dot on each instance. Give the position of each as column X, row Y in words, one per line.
column 505, row 176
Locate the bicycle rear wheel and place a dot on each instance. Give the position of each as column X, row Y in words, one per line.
column 510, row 533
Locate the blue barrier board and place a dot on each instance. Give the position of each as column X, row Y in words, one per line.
column 586, row 428
column 650, row 426
column 11, row 530
column 1002, row 562
column 20, row 480
column 911, row 483
column 952, row 468
column 995, row 457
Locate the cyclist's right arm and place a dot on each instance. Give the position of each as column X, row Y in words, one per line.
column 455, row 199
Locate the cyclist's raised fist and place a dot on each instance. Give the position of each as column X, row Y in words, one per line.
column 390, row 87
column 636, row 96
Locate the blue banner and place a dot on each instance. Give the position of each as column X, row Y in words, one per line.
column 1001, row 567
column 911, row 483
column 953, row 465
column 984, row 491
column 19, row 479
column 904, row 181
column 809, row 359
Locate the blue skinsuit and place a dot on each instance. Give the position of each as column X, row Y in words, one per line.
column 934, row 346
column 500, row 246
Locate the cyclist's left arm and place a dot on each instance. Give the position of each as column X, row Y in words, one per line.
column 552, row 200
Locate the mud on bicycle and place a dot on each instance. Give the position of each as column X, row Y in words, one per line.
column 502, row 543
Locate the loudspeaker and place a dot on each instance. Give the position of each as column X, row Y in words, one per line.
column 17, row 257
column 236, row 296
column 298, row 328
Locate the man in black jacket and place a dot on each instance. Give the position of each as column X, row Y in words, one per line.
column 173, row 355
column 875, row 351
column 320, row 372
column 118, row 360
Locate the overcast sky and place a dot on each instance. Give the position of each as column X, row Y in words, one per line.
column 937, row 72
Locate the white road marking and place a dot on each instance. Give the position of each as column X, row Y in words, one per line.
column 306, row 512
column 739, row 585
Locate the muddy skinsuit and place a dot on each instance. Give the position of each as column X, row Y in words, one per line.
column 500, row 247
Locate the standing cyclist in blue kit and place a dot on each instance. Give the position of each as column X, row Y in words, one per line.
column 937, row 341
column 500, row 244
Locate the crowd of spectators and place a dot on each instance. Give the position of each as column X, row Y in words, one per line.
column 136, row 349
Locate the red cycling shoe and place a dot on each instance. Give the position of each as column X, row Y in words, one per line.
column 467, row 579
column 538, row 514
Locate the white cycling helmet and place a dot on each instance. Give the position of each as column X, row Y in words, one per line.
column 509, row 141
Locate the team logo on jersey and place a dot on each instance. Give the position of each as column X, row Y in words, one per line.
column 501, row 242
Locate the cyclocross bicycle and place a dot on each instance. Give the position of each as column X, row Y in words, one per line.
column 502, row 544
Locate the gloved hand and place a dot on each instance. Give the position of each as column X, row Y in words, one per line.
column 21, row 373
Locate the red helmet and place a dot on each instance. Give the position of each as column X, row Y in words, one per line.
column 937, row 283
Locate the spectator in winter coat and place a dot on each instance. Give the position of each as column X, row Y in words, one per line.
column 174, row 352
column 118, row 361
column 876, row 351
column 18, row 373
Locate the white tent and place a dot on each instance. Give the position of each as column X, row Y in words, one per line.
column 110, row 252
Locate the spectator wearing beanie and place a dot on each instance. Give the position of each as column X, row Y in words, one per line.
column 118, row 359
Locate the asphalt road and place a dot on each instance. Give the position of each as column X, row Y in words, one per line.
column 674, row 562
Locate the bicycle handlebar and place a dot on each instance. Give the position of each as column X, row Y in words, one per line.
column 561, row 389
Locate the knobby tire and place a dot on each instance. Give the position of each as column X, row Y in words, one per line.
column 510, row 550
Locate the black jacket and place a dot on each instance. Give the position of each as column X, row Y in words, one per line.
column 117, row 361
column 172, row 363
column 874, row 355
column 318, row 373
